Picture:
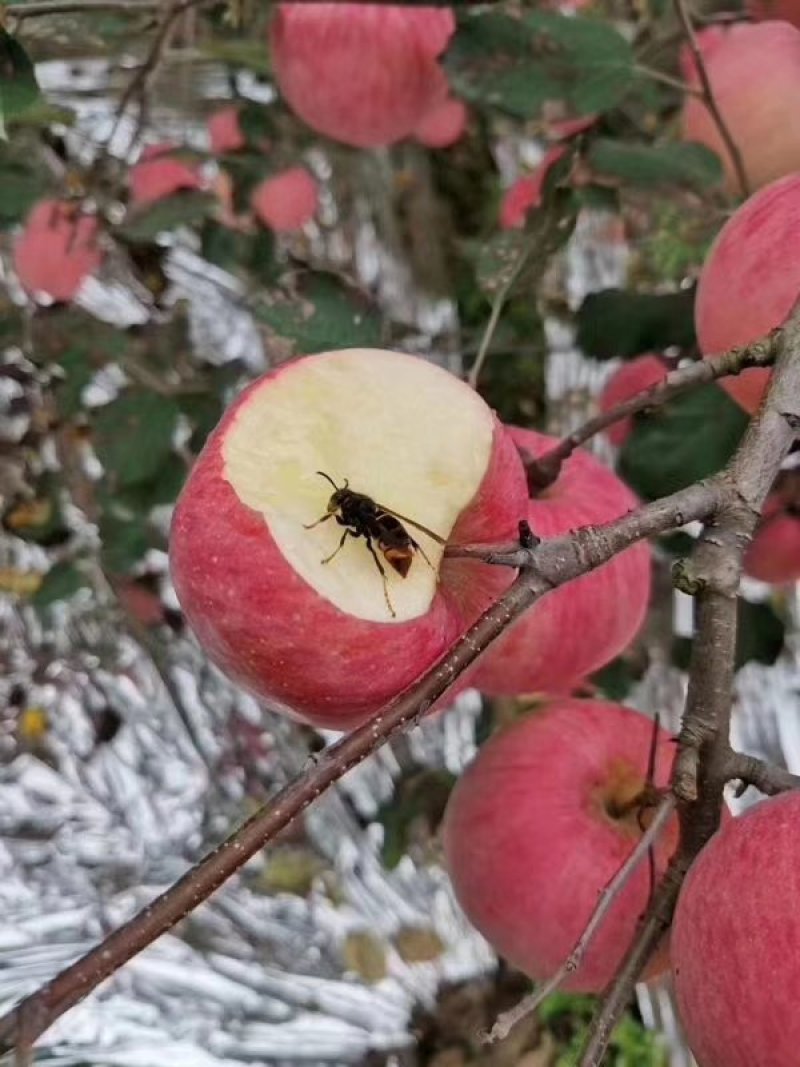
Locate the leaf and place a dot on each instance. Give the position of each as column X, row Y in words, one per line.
column 124, row 541
column 185, row 208
column 21, row 187
column 133, row 436
column 691, row 437
column 321, row 313
column 365, row 955
column 61, row 582
column 650, row 166
column 18, row 86
column 416, row 810
column 520, row 65
column 417, row 944
column 616, row 322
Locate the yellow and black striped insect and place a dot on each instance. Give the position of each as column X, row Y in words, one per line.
column 362, row 516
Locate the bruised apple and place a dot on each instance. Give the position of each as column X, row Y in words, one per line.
column 750, row 281
column 579, row 627
column 57, row 250
column 292, row 607
column 541, row 822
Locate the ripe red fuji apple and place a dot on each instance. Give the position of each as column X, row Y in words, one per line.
column 443, row 125
column 734, row 942
column 633, row 377
column 774, row 553
column 541, row 822
column 319, row 638
column 57, row 250
column 363, row 74
column 287, row 201
column 225, row 131
column 750, row 280
column 158, row 174
column 578, row 628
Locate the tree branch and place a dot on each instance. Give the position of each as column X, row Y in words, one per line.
column 766, row 777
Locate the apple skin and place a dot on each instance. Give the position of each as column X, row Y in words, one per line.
column 529, row 844
column 158, row 175
column 578, row 628
column 734, row 941
column 526, row 193
column 287, row 201
column 751, row 96
column 774, row 553
column 57, row 250
column 443, row 125
column 750, row 280
column 634, row 376
column 775, row 10
column 317, row 47
column 275, row 635
column 225, row 131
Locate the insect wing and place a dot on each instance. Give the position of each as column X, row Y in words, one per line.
column 411, row 522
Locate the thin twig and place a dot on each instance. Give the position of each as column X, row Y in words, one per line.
column 497, row 308
column 79, row 7
column 709, row 97
column 609, row 894
column 766, row 777
column 667, row 79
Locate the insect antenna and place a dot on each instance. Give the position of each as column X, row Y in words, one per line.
column 328, row 478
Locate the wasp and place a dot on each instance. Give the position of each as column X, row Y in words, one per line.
column 362, row 516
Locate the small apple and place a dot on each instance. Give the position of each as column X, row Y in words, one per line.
column 225, row 131
column 633, row 377
column 750, row 280
column 57, row 250
column 290, row 606
column 287, row 201
column 362, row 74
column 526, row 193
column 578, row 628
column 443, row 125
column 735, row 938
column 751, row 95
column 539, row 824
column 158, row 174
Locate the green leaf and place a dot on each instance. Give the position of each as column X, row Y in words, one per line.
column 185, row 208
column 76, row 366
column 760, row 634
column 133, row 436
column 615, row 322
column 18, row 85
column 125, row 540
column 320, row 313
column 417, row 807
column 650, row 166
column 690, row 438
column 21, row 187
column 61, row 582
column 519, row 65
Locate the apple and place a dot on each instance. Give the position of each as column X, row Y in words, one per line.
column 443, row 125
column 750, row 280
column 158, row 174
column 633, row 377
column 774, row 553
column 57, row 249
column 539, row 824
column 225, row 131
column 753, row 70
column 362, row 74
column 327, row 641
column 578, row 628
column 526, row 193
column 734, row 941
column 286, row 201
column 780, row 10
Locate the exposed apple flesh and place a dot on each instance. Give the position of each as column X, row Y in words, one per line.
column 319, row 638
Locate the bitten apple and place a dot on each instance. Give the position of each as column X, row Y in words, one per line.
column 57, row 250
column 750, row 280
column 539, row 824
column 578, row 628
column 299, row 615
column 735, row 941
column 633, row 377
column 364, row 75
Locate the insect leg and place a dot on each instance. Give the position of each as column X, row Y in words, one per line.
column 322, row 518
column 379, row 565
column 421, row 550
column 339, row 547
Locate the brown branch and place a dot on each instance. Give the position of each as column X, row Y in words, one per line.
column 544, row 470
column 79, row 7
column 702, row 765
column 709, row 97
column 609, row 894
column 769, row 779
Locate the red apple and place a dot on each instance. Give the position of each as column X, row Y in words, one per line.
column 632, row 377
column 443, row 125
column 735, row 941
column 225, row 131
column 774, row 553
column 751, row 280
column 541, row 822
column 779, row 10
column 580, row 627
column 158, row 175
column 286, row 201
column 328, row 642
column 362, row 74
column 526, row 193
column 754, row 69
column 57, row 250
